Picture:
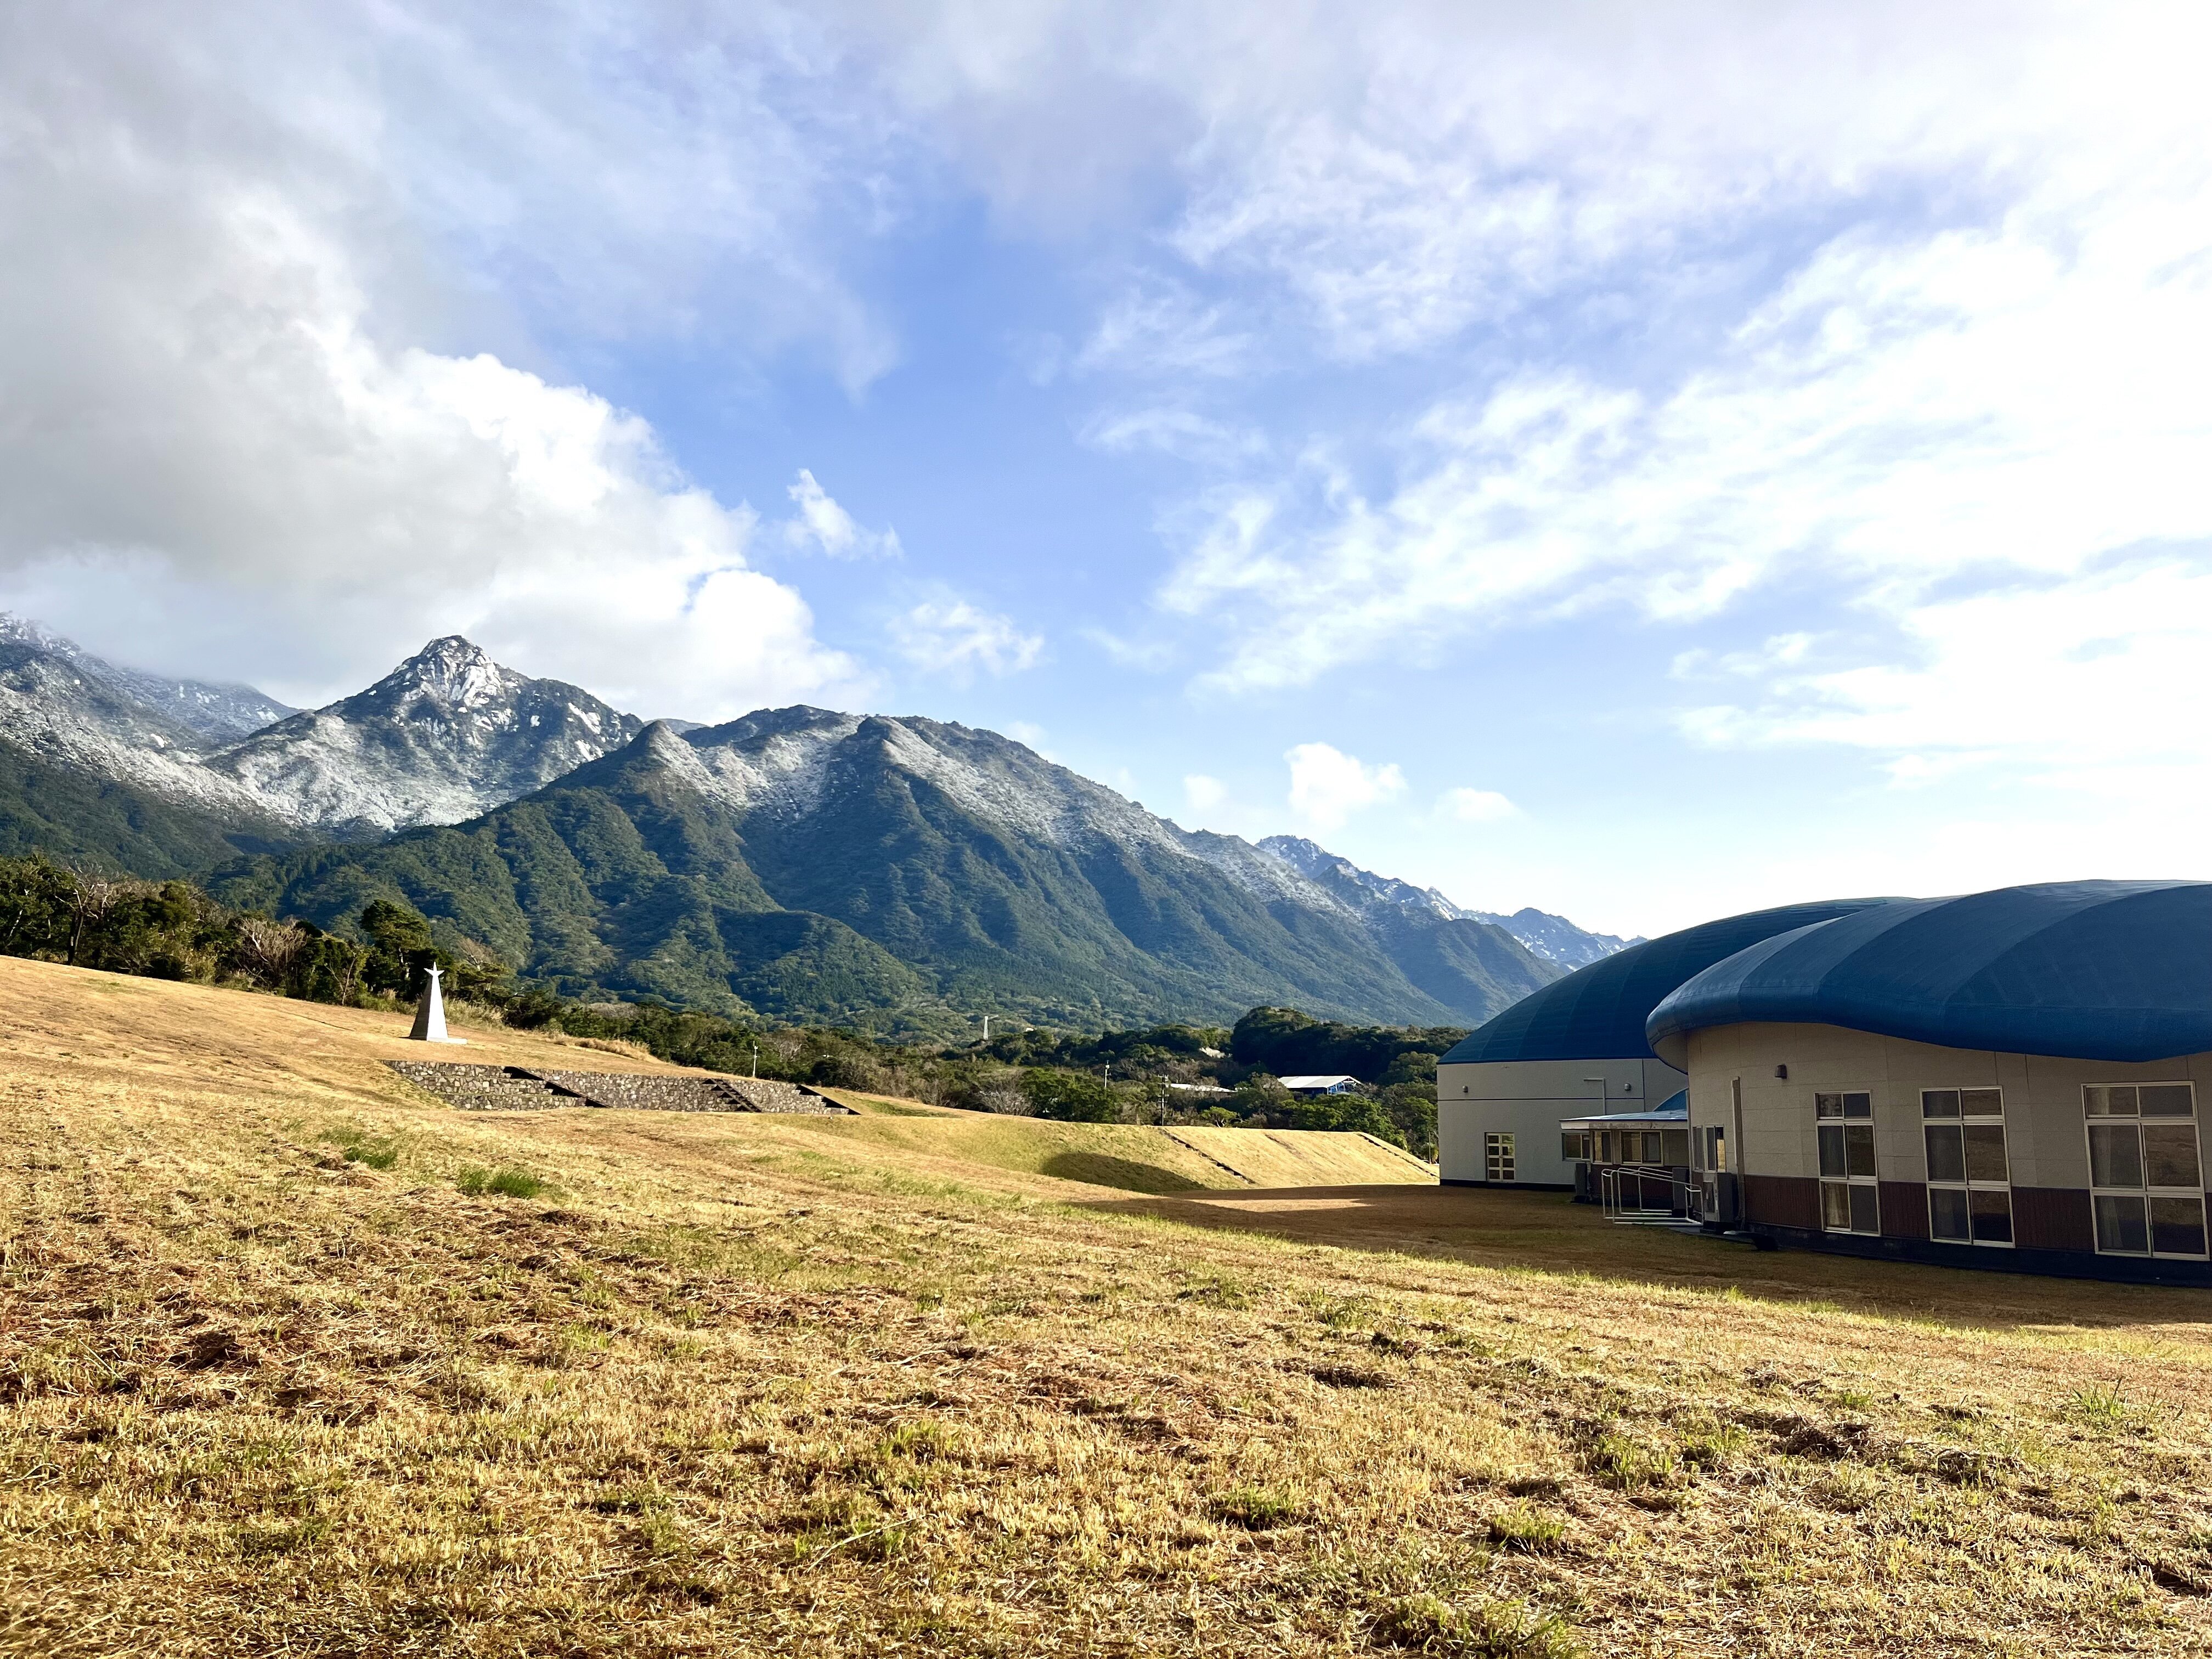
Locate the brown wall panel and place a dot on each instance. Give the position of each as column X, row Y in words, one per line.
column 2052, row 1218
column 1904, row 1210
column 1782, row 1201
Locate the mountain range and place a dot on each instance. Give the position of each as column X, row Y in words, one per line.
column 898, row 873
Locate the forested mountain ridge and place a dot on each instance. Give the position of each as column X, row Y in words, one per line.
column 894, row 872
column 901, row 874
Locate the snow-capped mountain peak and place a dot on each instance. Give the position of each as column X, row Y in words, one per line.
column 446, row 677
column 447, row 735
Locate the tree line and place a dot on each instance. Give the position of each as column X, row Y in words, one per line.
column 1166, row 1074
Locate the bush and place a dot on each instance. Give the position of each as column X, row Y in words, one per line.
column 508, row 1182
column 1069, row 1097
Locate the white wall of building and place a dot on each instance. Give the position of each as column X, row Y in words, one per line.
column 1528, row 1099
column 2045, row 1142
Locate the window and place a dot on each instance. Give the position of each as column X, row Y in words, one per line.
column 1498, row 1157
column 1849, row 1200
column 1677, row 1148
column 1711, row 1145
column 1605, row 1146
column 2146, row 1180
column 1969, row 1180
column 1575, row 1145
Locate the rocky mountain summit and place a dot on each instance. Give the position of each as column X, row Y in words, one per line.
column 445, row 736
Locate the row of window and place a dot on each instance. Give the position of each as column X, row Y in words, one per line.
column 2145, row 1165
column 2146, row 1173
column 1660, row 1147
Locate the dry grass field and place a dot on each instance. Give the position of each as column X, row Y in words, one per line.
column 293, row 1360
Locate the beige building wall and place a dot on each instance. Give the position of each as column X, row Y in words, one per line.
column 1527, row 1099
column 2045, row 1137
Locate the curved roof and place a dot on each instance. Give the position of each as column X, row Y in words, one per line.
column 2119, row 971
column 1597, row 1012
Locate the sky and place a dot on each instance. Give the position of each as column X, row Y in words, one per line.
column 1640, row 462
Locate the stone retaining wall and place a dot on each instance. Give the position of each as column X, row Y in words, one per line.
column 515, row 1088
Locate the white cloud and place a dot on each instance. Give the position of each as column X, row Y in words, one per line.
column 1170, row 431
column 226, row 246
column 822, row 525
column 303, row 498
column 1202, row 793
column 1328, row 785
column 1148, row 654
column 1978, row 406
column 1166, row 330
column 1475, row 805
column 2093, row 683
column 955, row 638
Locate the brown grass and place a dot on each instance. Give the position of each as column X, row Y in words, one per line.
column 739, row 1385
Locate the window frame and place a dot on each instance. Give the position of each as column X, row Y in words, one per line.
column 2105, row 1193
column 1966, row 1186
column 1845, row 1118
column 1499, row 1153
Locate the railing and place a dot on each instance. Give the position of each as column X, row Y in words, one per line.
column 1636, row 1192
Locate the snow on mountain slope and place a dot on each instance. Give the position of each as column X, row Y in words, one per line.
column 779, row 761
column 54, row 707
column 214, row 713
column 1556, row 939
column 1552, row 938
column 447, row 735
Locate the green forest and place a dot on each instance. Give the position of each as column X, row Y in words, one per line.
column 379, row 957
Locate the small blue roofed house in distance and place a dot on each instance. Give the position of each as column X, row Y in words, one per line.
column 1598, row 1011
column 2112, row 970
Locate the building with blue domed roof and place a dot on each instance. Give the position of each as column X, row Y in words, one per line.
column 2010, row 1078
column 1577, row 1048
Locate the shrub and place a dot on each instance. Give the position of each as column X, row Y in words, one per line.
column 1253, row 1509
column 1527, row 1529
column 2098, row 1408
column 1495, row 1630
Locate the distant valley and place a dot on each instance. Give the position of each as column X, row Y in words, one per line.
column 895, row 873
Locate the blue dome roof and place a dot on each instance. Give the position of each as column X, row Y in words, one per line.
column 2119, row 971
column 1598, row 1013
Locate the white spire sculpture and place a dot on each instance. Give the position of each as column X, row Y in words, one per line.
column 430, row 1014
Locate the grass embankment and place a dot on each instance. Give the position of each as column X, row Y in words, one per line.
column 273, row 1380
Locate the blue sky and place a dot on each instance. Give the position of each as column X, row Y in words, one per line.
column 1638, row 463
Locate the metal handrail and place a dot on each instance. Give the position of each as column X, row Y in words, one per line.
column 1610, row 1199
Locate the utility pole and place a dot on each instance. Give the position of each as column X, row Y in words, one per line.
column 757, row 1062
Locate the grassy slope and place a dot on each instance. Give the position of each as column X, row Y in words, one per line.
column 751, row 1385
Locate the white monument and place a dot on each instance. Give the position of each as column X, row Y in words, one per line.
column 430, row 1014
